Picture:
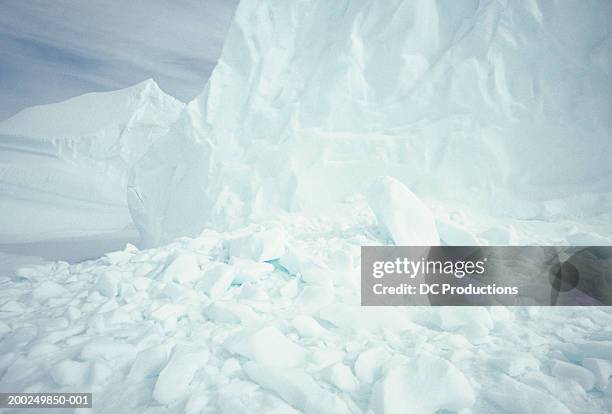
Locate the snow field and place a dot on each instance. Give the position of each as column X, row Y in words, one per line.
column 488, row 124
column 182, row 328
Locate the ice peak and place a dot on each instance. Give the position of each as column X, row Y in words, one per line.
column 85, row 114
column 149, row 82
column 148, row 85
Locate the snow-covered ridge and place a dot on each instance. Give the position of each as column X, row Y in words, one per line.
column 502, row 106
column 63, row 166
column 85, row 114
column 94, row 124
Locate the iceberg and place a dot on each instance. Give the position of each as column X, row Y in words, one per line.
column 82, row 150
column 326, row 126
column 498, row 106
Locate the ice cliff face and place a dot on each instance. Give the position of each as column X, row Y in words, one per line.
column 63, row 166
column 501, row 105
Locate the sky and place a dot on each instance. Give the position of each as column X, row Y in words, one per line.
column 53, row 50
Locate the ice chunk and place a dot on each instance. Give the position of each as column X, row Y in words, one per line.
column 297, row 388
column 307, row 327
column 354, row 317
column 69, row 372
column 454, row 235
column 342, row 377
column 588, row 349
column 515, row 365
column 425, row 384
column 248, row 270
column 254, row 293
column 246, row 397
column 326, row 357
column 100, row 372
column 316, row 296
column 108, row 284
column 231, row 367
column 581, row 375
column 73, row 313
column 369, row 364
column 474, row 322
column 185, row 267
column 501, row 235
column 293, row 260
column 148, row 363
column 311, row 269
column 42, row 349
column 524, row 399
column 32, row 272
column 601, row 369
column 267, row 346
column 105, row 348
column 12, row 306
column 231, row 312
column 399, row 212
column 500, row 315
column 117, row 317
column 216, row 279
column 141, row 283
column 178, row 292
column 47, row 290
column 290, row 289
column 196, row 403
column 4, row 329
column 121, row 256
column 176, row 376
column 260, row 246
column 597, row 349
column 168, row 314
column 142, row 270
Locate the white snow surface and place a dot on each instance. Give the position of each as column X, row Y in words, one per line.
column 151, row 331
column 498, row 106
column 64, row 166
column 488, row 122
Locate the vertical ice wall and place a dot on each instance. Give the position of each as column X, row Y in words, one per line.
column 502, row 104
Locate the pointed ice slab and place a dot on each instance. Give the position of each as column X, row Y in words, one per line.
column 401, row 214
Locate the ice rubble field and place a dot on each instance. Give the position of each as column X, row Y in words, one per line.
column 267, row 319
column 492, row 116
